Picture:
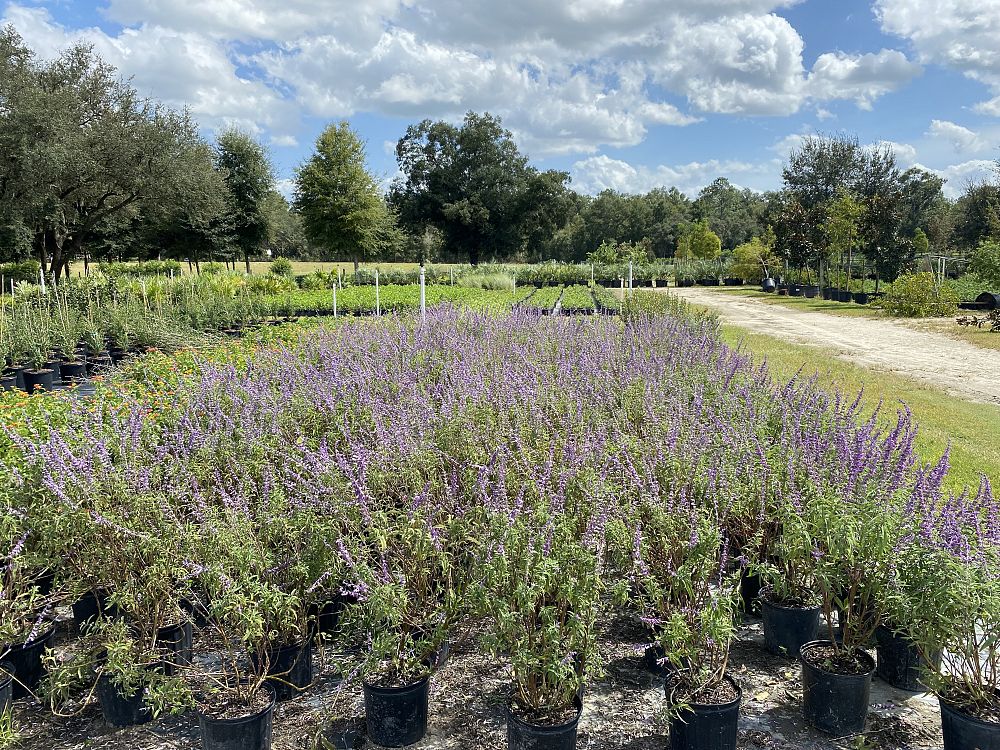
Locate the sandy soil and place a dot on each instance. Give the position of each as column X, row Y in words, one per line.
column 623, row 708
column 958, row 367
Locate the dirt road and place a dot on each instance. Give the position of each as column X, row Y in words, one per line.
column 958, row 367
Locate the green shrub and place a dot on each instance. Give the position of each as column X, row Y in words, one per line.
column 918, row 296
column 314, row 280
column 142, row 268
column 986, row 263
column 281, row 267
column 211, row 269
column 25, row 270
column 493, row 280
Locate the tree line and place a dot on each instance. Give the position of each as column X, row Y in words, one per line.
column 92, row 170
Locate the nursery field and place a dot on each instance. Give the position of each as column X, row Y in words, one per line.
column 472, row 530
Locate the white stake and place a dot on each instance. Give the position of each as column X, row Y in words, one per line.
column 423, row 297
column 41, row 277
column 378, row 299
column 630, row 277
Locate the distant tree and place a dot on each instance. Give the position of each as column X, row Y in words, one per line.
column 699, row 242
column 339, row 200
column 977, row 215
column 986, row 263
column 753, row 260
column 249, row 178
column 467, row 181
column 733, row 214
column 285, row 235
column 546, row 205
column 669, row 211
column 921, row 245
column 842, row 227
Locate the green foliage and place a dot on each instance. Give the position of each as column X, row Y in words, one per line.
column 339, row 200
column 621, row 253
column 919, row 296
column 752, row 260
column 281, row 267
column 142, row 268
column 468, row 181
column 699, row 242
column 249, row 179
column 986, row 263
column 921, row 245
column 26, row 271
column 487, row 280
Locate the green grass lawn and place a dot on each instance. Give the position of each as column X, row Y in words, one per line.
column 818, row 304
column 971, row 428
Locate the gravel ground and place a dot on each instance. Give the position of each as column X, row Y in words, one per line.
column 956, row 366
column 622, row 710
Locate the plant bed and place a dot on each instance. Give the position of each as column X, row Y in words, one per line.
column 835, row 688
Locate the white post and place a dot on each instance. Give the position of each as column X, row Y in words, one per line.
column 41, row 278
column 630, row 277
column 423, row 296
column 378, row 299
column 335, row 300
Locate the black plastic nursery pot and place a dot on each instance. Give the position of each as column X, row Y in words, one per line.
column 899, row 662
column 828, row 292
column 26, row 659
column 91, row 606
column 289, row 668
column 70, row 372
column 251, row 732
column 811, row 291
column 177, row 642
column 41, row 379
column 6, row 686
column 117, row 355
column 786, row 629
column 835, row 703
column 522, row 735
column 98, row 363
column 18, row 373
column 707, row 727
column 861, row 298
column 768, row 285
column 396, row 716
column 121, row 709
column 8, row 382
column 795, row 290
column 844, row 295
column 964, row 732
column 750, row 586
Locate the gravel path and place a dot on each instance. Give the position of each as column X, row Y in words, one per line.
column 958, row 367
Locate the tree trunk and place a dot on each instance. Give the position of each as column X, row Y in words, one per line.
column 246, row 257
column 356, row 264
column 473, row 256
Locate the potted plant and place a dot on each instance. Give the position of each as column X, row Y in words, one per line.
column 688, row 595
column 25, row 627
column 853, row 539
column 790, row 606
column 408, row 597
column 540, row 595
column 954, row 597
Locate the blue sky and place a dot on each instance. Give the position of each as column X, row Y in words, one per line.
column 622, row 94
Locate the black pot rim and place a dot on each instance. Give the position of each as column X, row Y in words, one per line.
column 707, row 707
column 243, row 719
column 824, row 642
column 952, row 708
column 40, row 638
column 395, row 690
column 38, row 371
column 546, row 728
column 764, row 600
